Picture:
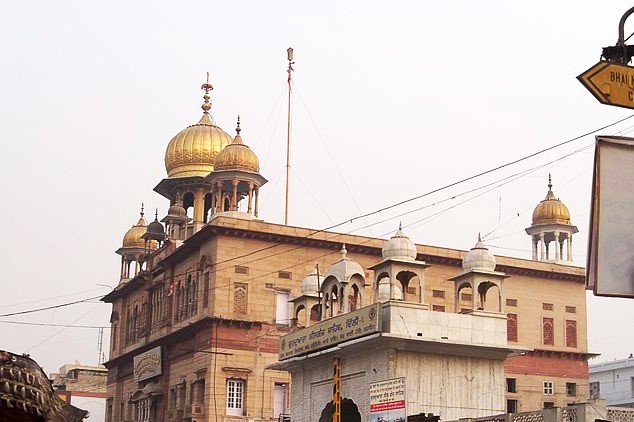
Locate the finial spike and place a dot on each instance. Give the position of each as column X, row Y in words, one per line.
column 238, row 126
column 344, row 251
column 400, row 225
column 479, row 237
column 156, row 214
column 550, row 182
column 142, row 209
column 206, row 87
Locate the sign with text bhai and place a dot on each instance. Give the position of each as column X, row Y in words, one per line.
column 610, row 83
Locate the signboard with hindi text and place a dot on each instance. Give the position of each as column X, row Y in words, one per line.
column 387, row 401
column 148, row 364
column 610, row 269
column 330, row 332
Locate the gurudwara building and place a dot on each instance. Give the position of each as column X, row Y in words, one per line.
column 212, row 301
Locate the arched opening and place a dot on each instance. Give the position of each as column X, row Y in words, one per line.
column 409, row 286
column 489, row 299
column 314, row 314
column 300, row 315
column 349, row 411
column 354, row 298
column 206, row 214
column 188, row 204
column 464, row 298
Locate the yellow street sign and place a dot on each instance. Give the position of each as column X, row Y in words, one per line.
column 610, row 83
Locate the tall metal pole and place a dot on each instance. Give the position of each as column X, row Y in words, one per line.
column 289, row 55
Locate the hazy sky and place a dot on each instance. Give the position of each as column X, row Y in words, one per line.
column 392, row 99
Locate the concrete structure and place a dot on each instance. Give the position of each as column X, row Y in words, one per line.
column 613, row 381
column 592, row 411
column 202, row 301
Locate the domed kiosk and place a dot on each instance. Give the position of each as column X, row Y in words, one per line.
column 189, row 157
column 551, row 223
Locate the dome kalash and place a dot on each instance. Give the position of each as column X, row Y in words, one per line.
column 192, row 152
column 551, row 210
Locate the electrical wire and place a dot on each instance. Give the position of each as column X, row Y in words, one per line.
column 42, row 324
column 46, row 308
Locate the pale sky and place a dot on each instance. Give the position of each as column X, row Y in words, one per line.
column 391, row 100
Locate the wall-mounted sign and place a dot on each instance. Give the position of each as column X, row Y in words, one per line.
column 148, row 364
column 387, row 400
column 328, row 333
column 610, row 269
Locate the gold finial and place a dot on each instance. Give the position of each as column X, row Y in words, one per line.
column 238, row 126
column 550, row 182
column 142, row 206
column 206, row 87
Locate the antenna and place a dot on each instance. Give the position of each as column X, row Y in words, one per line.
column 289, row 56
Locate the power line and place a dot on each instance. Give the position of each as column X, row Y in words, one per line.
column 61, row 305
column 45, row 324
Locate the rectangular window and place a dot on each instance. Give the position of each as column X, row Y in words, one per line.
column 548, row 331
column 549, row 404
column 468, row 297
column 287, row 275
column 595, row 389
column 235, row 397
column 547, row 306
column 240, row 298
column 438, row 293
column 571, row 389
column 511, row 385
column 511, row 327
column 511, row 406
column 571, row 309
column 241, row 269
column 410, row 290
column 548, row 388
column 280, row 400
column 438, row 308
column 282, row 310
column 511, row 302
column 571, row 333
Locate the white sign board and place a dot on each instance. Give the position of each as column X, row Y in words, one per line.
column 610, row 269
column 387, row 401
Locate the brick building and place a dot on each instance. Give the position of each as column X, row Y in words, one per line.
column 204, row 298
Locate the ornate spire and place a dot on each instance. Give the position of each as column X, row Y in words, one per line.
column 550, row 182
column 344, row 251
column 142, row 206
column 206, row 87
column 238, row 126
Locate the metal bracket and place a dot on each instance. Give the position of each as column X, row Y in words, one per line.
column 620, row 53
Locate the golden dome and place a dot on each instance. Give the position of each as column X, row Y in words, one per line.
column 237, row 156
column 193, row 150
column 551, row 210
column 133, row 237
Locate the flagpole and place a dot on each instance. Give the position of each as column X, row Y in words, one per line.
column 289, row 53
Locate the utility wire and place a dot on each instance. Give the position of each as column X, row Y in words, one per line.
column 61, row 305
column 42, row 324
column 358, row 217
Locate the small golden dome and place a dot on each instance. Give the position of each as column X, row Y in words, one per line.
column 133, row 238
column 193, row 150
column 551, row 210
column 237, row 156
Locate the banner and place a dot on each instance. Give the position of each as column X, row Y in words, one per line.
column 387, row 401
